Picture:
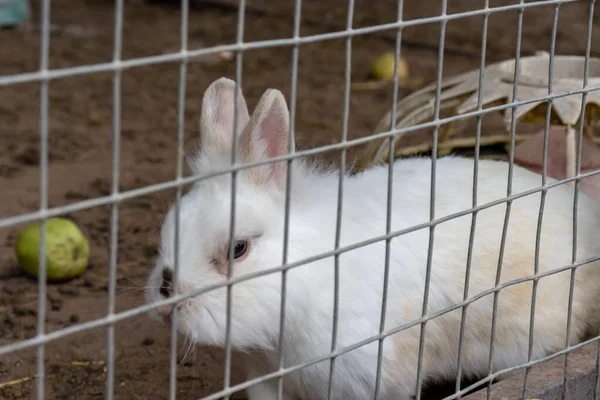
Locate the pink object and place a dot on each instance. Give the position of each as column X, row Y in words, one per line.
column 529, row 154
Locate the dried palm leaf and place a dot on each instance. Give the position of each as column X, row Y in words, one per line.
column 459, row 96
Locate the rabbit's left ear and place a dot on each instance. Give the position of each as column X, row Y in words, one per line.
column 267, row 136
column 217, row 119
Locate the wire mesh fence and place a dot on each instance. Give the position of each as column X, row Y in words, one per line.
column 377, row 356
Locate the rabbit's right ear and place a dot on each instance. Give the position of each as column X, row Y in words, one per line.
column 267, row 136
column 217, row 116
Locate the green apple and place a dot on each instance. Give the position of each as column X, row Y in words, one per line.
column 67, row 249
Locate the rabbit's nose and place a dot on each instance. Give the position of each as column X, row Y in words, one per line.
column 165, row 313
column 166, row 287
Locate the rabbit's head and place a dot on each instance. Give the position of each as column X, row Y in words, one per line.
column 204, row 224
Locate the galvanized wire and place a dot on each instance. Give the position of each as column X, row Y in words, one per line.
column 597, row 384
column 120, row 316
column 511, row 159
column 288, row 189
column 438, row 94
column 177, row 56
column 536, row 264
column 342, row 176
column 234, row 155
column 357, row 345
column 474, row 200
column 143, row 309
column 44, row 75
column 390, row 192
column 42, row 274
column 178, row 193
column 114, row 216
column 129, row 194
column 586, row 73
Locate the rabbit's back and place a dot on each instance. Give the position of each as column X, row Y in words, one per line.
column 362, row 270
column 506, row 257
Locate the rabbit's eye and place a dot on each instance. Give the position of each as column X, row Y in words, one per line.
column 240, row 249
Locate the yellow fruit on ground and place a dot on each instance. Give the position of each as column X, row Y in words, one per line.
column 383, row 67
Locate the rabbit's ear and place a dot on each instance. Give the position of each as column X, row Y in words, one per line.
column 267, row 136
column 217, row 116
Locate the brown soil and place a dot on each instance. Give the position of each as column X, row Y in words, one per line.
column 80, row 151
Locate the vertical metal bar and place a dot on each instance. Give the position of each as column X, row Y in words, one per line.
column 42, row 284
column 390, row 192
column 288, row 188
column 474, row 198
column 576, row 192
column 338, row 228
column 178, row 193
column 434, row 149
column 114, row 218
column 511, row 160
column 597, row 385
column 544, row 192
column 588, row 47
column 238, row 79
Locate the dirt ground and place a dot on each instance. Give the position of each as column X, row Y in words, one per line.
column 80, row 150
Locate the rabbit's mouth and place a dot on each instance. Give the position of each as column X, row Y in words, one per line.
column 198, row 322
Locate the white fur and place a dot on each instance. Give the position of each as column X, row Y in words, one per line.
column 205, row 215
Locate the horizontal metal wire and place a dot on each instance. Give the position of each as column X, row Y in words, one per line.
column 114, row 318
column 178, row 298
column 125, row 195
column 187, row 54
column 348, row 349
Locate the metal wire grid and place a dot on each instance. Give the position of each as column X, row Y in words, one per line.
column 542, row 203
column 44, row 76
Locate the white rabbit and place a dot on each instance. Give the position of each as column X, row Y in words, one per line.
column 259, row 230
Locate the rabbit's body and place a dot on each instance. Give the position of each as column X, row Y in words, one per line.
column 310, row 287
column 362, row 271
